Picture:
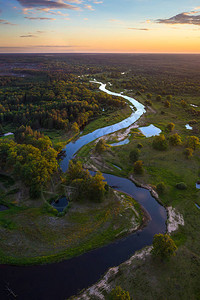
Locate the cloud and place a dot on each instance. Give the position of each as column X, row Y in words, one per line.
column 28, row 36
column 40, row 18
column 184, row 18
column 87, row 6
column 143, row 29
column 4, row 22
column 115, row 21
column 49, row 4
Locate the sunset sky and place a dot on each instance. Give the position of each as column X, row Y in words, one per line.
column 169, row 26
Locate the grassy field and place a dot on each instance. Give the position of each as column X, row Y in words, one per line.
column 178, row 278
column 34, row 233
column 108, row 119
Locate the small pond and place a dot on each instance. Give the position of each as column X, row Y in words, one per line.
column 117, row 167
column 150, row 130
column 197, row 206
column 198, row 185
column 188, row 127
column 124, row 142
column 60, row 204
column 3, row 207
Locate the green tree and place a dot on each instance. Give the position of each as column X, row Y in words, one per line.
column 160, row 142
column 188, row 152
column 175, row 140
column 170, row 127
column 119, row 294
column 167, row 104
column 159, row 98
column 134, row 155
column 161, row 188
column 138, row 167
column 75, row 127
column 193, row 142
column 100, row 146
column 163, row 246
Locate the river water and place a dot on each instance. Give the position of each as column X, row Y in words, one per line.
column 61, row 280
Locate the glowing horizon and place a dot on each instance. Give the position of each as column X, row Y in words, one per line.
column 78, row 26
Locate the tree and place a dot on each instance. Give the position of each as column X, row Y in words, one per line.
column 75, row 127
column 138, row 167
column 134, row 155
column 148, row 102
column 170, row 127
column 119, row 294
column 188, row 152
column 175, row 140
column 193, row 142
column 163, row 246
column 161, row 188
column 158, row 98
column 167, row 104
column 160, row 142
column 100, row 146
column 149, row 96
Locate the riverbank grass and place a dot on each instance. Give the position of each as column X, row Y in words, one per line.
column 35, row 235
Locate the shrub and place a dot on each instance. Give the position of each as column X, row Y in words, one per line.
column 149, row 96
column 139, row 146
column 183, row 103
column 138, row 167
column 192, row 122
column 159, row 98
column 167, row 104
column 161, row 188
column 193, row 142
column 148, row 103
column 188, row 152
column 181, row 186
column 170, row 127
column 169, row 97
column 134, row 155
column 175, row 140
column 160, row 142
column 75, row 127
column 119, row 294
column 100, row 146
column 163, row 246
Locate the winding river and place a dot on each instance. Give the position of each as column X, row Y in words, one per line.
column 62, row 280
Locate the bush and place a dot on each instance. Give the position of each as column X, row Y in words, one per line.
column 163, row 246
column 134, row 155
column 188, row 152
column 160, row 142
column 169, row 97
column 193, row 142
column 181, row 186
column 119, row 294
column 149, row 96
column 161, row 188
column 170, row 127
column 138, row 167
column 167, row 104
column 139, row 146
column 175, row 140
column 100, row 146
column 148, row 103
column 159, row 98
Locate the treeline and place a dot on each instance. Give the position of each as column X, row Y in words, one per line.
column 53, row 104
column 31, row 158
column 86, row 187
